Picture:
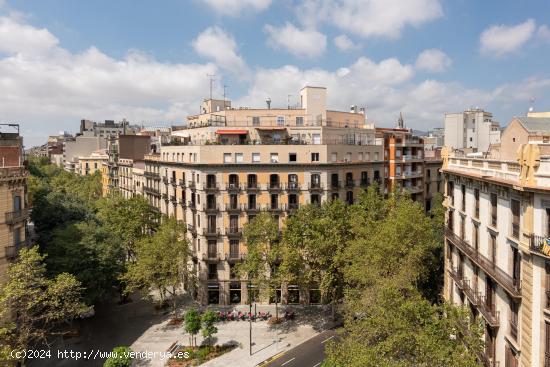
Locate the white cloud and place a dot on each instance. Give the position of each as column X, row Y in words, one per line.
column 433, row 60
column 370, row 18
column 543, row 33
column 307, row 43
column 499, row 40
column 217, row 45
column 344, row 43
column 237, row 7
column 47, row 88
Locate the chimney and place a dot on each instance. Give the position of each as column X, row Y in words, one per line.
column 268, row 101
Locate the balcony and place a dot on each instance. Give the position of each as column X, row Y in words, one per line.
column 151, row 191
column 192, row 229
column 364, row 183
column 181, row 183
column 182, row 203
column 515, row 231
column 252, row 208
column 191, row 205
column 253, row 186
column 152, row 175
column 211, row 232
column 275, row 207
column 233, row 187
column 315, row 186
column 11, row 252
column 165, row 180
column 491, row 316
column 213, row 276
column 413, row 189
column 292, row 186
column 510, row 285
column 290, row 207
column 233, row 208
column 174, row 182
column 540, row 245
column 233, row 232
column 210, row 208
column 212, row 256
column 210, row 187
column 235, row 256
column 191, row 185
column 335, row 185
column 274, row 187
column 173, row 199
column 350, row 184
column 17, row 216
column 164, row 196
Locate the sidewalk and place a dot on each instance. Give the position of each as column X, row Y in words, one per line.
column 308, row 323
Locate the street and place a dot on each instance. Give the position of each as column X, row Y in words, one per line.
column 308, row 354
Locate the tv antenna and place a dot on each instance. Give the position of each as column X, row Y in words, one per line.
column 211, row 76
column 224, row 88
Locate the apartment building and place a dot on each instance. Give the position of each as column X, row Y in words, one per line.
column 230, row 164
column 403, row 161
column 433, row 178
column 497, row 251
column 472, row 129
column 13, row 197
column 88, row 165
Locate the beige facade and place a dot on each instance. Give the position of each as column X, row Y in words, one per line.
column 231, row 164
column 88, row 165
column 497, row 252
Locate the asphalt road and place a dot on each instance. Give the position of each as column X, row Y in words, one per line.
column 308, row 354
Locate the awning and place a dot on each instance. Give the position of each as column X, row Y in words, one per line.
column 271, row 128
column 232, row 132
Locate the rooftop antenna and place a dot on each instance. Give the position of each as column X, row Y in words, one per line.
column 224, row 88
column 288, row 100
column 211, row 76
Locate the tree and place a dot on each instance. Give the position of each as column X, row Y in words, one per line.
column 262, row 241
column 130, row 220
column 160, row 262
column 314, row 243
column 34, row 303
column 120, row 357
column 192, row 325
column 91, row 253
column 209, row 318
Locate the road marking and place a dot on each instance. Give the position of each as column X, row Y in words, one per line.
column 287, row 362
column 326, row 340
column 317, row 364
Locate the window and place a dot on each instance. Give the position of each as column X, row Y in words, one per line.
column 212, row 248
column 252, row 182
column 274, row 157
column 463, row 197
column 315, row 181
column 233, row 223
column 514, row 319
column 547, row 286
column 476, row 198
column 475, row 237
column 256, row 121
column 233, row 252
column 451, row 192
column 333, row 157
column 293, row 201
column 360, row 156
column 274, row 182
column 547, row 222
column 16, row 203
column 492, row 248
column 315, row 199
column 212, row 272
column 255, row 157
column 375, row 156
column 493, row 209
column 516, row 267
column 233, row 181
column 226, row 157
column 299, row 121
column 349, row 179
column 316, row 138
column 315, row 157
column 233, row 201
column 547, row 344
column 348, row 157
column 292, row 157
column 334, row 181
column 238, row 157
column 274, row 201
column 280, row 120
column 292, row 181
column 515, row 218
column 349, row 197
column 252, row 201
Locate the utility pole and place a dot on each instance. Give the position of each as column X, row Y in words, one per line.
column 211, row 76
column 250, row 326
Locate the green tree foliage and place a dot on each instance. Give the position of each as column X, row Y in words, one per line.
column 91, row 253
column 35, row 303
column 130, row 220
column 209, row 319
column 120, row 357
column 263, row 252
column 161, row 262
column 192, row 325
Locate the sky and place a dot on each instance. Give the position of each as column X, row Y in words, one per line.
column 148, row 61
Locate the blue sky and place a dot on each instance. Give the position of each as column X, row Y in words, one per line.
column 61, row 61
